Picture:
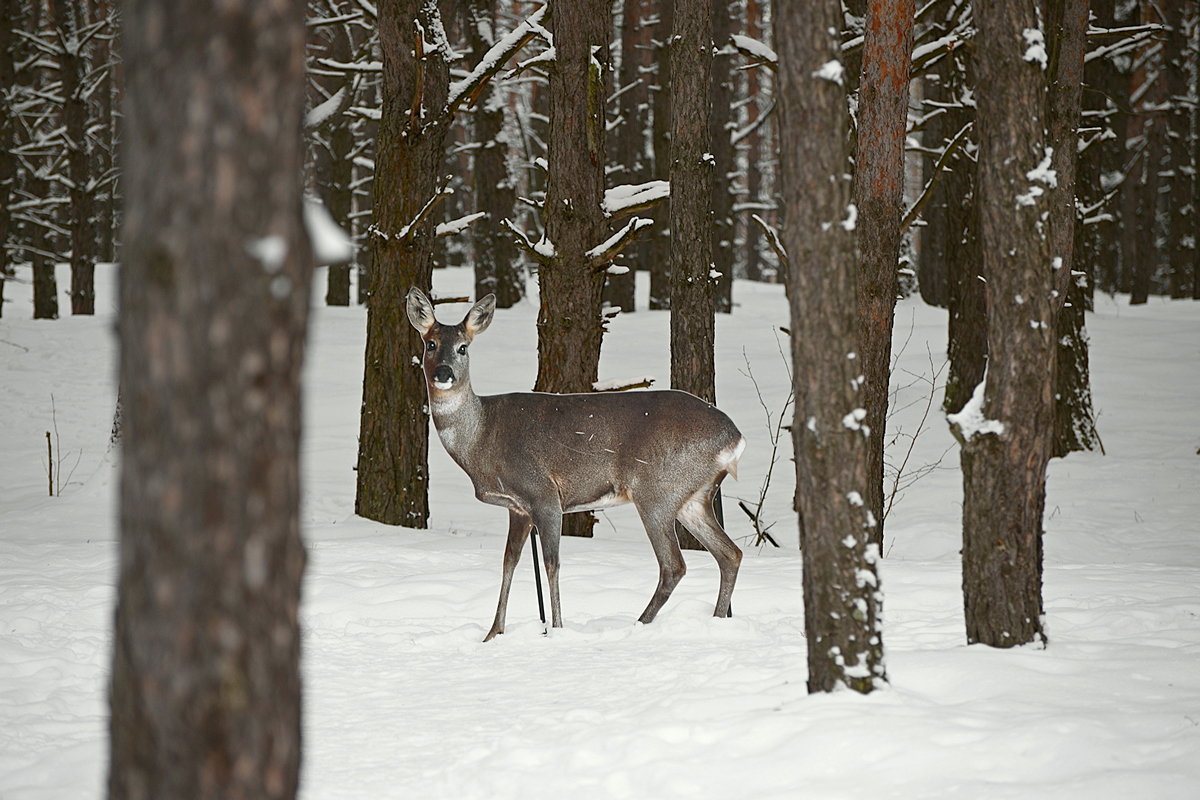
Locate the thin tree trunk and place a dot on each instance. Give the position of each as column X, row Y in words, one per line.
column 340, row 192
column 1153, row 129
column 660, row 242
column 104, row 124
column 205, row 691
column 72, row 67
column 1184, row 223
column 569, row 323
column 879, row 196
column 1004, row 459
column 393, row 442
column 8, row 160
column 1074, row 421
column 629, row 156
column 752, row 259
column 842, row 599
column 496, row 267
column 721, row 148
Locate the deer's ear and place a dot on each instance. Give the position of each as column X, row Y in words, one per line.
column 420, row 310
column 480, row 315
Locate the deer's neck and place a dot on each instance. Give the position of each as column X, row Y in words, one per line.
column 457, row 416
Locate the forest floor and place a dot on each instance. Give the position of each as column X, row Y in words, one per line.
column 403, row 701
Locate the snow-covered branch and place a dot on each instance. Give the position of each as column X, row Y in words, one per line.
column 632, row 197
column 772, row 239
column 755, row 50
column 456, row 226
column 541, row 251
column 602, row 253
column 467, row 90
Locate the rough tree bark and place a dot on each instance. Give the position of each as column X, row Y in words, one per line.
column 1074, row 421
column 879, row 197
column 205, row 692
column 842, row 599
column 1006, row 436
column 693, row 288
column 393, row 443
column 569, row 322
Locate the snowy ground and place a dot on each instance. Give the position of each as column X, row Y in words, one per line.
column 403, row 701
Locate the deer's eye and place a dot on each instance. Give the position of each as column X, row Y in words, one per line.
column 430, row 346
column 462, row 349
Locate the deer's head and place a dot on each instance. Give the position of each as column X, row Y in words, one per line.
column 445, row 358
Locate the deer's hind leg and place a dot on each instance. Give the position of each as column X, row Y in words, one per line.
column 548, row 520
column 519, row 525
column 660, row 527
column 698, row 517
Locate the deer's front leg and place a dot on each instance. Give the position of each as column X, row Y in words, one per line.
column 519, row 524
column 549, row 524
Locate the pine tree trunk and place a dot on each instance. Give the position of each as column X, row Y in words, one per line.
column 721, row 147
column 753, row 266
column 1152, row 126
column 842, row 600
column 1184, row 221
column 1097, row 252
column 879, row 196
column 72, row 68
column 340, row 190
column 8, row 160
column 104, row 125
column 693, row 289
column 629, row 152
column 496, row 267
column 393, row 443
column 569, row 323
column 949, row 214
column 1004, row 465
column 952, row 239
column 660, row 241
column 205, row 691
column 1074, row 422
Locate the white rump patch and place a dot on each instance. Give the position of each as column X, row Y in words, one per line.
column 728, row 459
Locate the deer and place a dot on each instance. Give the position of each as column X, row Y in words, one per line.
column 542, row 455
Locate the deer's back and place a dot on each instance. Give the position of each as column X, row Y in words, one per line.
column 601, row 449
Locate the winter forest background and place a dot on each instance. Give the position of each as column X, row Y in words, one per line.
column 837, row 220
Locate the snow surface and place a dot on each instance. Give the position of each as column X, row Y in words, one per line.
column 403, row 701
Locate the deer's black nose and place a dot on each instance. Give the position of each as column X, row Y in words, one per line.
column 443, row 376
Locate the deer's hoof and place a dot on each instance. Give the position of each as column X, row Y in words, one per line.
column 493, row 633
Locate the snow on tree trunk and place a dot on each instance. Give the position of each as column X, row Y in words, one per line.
column 214, row 286
column 842, row 598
